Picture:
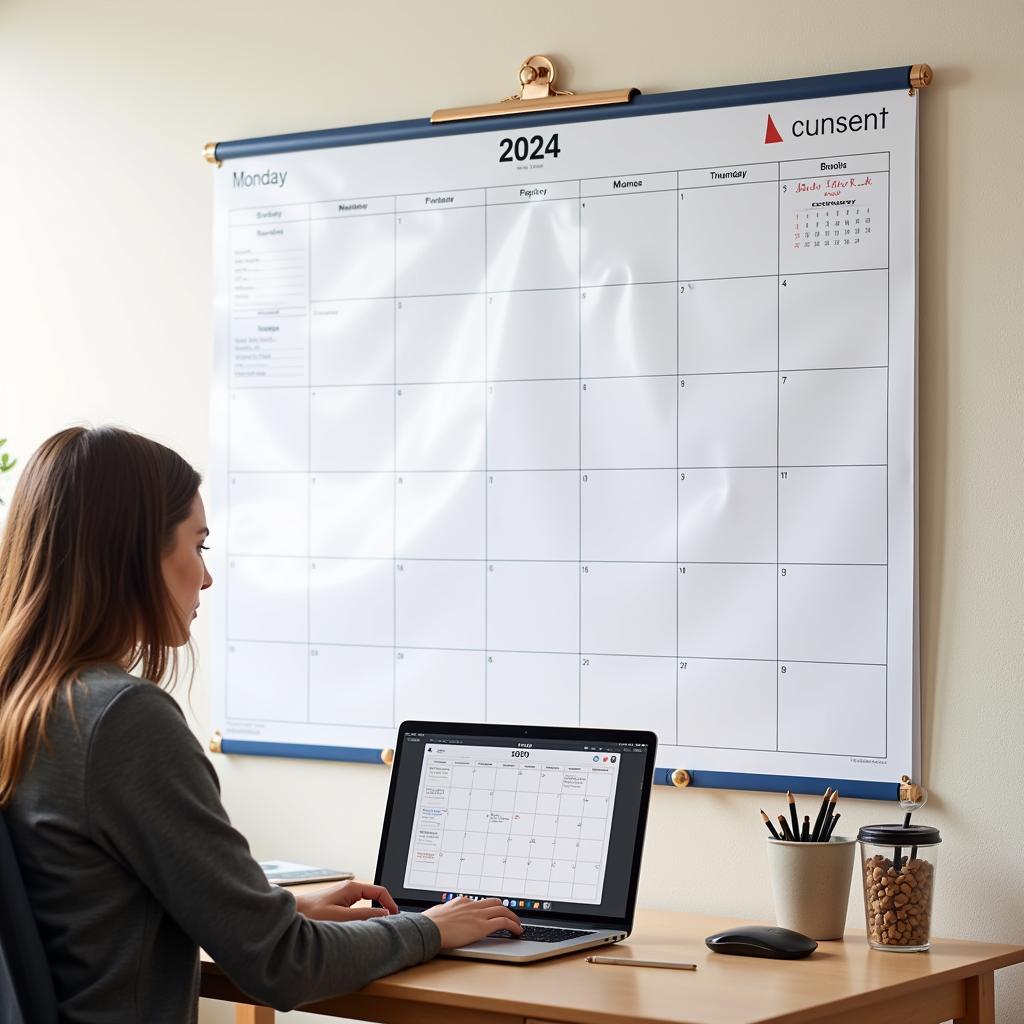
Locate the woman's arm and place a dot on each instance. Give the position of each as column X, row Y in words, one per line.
column 153, row 802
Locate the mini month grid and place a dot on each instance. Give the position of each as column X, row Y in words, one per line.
column 601, row 451
column 488, row 821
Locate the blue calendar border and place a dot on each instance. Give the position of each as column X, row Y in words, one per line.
column 845, row 84
column 849, row 788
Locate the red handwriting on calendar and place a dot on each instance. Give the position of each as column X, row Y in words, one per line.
column 833, row 186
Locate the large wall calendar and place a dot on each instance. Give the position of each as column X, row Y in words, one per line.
column 603, row 422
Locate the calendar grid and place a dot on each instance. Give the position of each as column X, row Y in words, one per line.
column 778, row 447
column 678, row 669
column 309, row 495
column 732, row 387
column 579, row 399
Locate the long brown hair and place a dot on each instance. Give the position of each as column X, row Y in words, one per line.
column 80, row 574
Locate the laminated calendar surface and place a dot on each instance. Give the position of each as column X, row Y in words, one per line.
column 608, row 423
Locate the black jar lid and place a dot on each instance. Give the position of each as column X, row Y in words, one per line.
column 899, row 835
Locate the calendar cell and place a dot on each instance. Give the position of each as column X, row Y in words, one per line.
column 269, row 351
column 533, row 606
column 539, row 689
column 833, row 222
column 352, row 601
column 728, row 419
column 351, row 428
column 628, row 608
column 267, row 514
column 351, row 342
column 728, row 515
column 650, row 684
column 351, row 685
column 628, row 238
column 832, row 417
column 351, row 515
column 729, row 325
column 533, row 335
column 832, row 613
column 440, row 338
column 550, row 230
column 266, row 681
column 274, row 603
column 627, row 423
column 728, row 231
column 440, row 252
column 439, row 604
column 854, row 496
column 268, row 429
column 533, row 425
column 727, row 611
column 533, row 515
column 334, row 274
column 628, row 330
column 439, row 686
column 833, row 709
column 710, row 694
column 628, row 515
column 270, row 269
column 440, row 427
column 440, row 515
column 834, row 320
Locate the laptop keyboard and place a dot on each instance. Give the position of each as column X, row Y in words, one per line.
column 539, row 933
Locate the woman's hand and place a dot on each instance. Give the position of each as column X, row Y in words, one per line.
column 463, row 920
column 335, row 904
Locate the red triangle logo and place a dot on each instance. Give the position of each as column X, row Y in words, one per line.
column 771, row 133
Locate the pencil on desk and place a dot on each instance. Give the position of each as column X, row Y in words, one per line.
column 625, row 961
column 771, row 827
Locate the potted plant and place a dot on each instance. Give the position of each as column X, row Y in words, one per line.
column 6, row 463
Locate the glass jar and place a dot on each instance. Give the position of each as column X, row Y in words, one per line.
column 898, row 871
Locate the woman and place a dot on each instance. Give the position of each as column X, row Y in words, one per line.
column 127, row 854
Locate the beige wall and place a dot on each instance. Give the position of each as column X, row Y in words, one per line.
column 105, row 317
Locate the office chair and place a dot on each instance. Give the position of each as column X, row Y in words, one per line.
column 26, row 987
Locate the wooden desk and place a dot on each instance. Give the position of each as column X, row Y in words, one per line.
column 842, row 983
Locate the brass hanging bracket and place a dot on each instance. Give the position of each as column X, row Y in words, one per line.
column 536, row 92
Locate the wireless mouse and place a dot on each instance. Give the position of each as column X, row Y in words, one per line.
column 761, row 940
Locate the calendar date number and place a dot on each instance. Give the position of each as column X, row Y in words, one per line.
column 528, row 147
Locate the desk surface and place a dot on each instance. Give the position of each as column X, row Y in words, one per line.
column 841, row 982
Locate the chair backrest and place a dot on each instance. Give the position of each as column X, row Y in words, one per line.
column 26, row 986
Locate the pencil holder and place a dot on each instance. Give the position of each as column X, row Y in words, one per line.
column 811, row 885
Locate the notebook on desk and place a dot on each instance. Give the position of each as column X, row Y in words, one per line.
column 549, row 820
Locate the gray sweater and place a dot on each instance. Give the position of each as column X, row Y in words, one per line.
column 131, row 864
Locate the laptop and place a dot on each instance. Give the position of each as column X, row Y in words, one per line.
column 549, row 820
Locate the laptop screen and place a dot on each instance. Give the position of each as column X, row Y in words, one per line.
column 548, row 820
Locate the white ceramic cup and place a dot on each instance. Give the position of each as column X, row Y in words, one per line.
column 811, row 885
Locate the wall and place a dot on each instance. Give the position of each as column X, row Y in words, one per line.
column 105, row 317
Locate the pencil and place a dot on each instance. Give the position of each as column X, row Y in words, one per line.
column 787, row 832
column 805, row 832
column 816, row 832
column 623, row 961
column 832, row 827
column 829, row 812
column 771, row 827
column 793, row 817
